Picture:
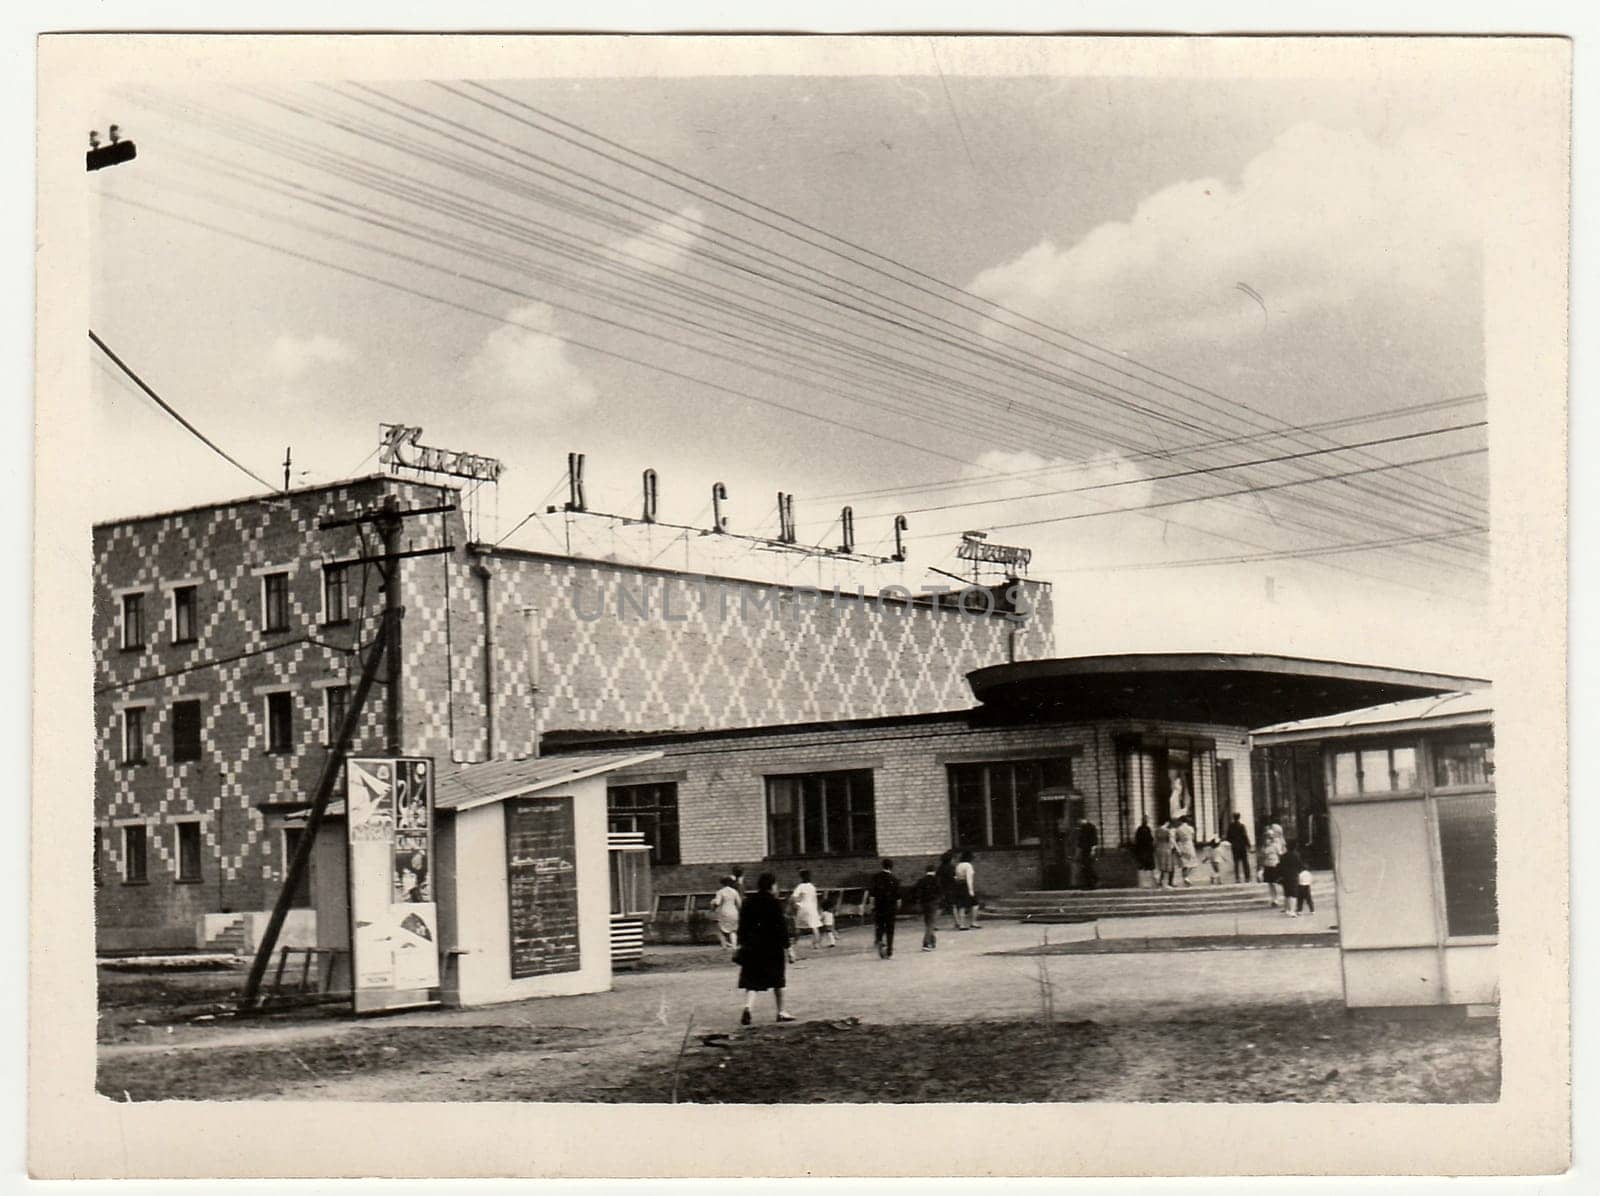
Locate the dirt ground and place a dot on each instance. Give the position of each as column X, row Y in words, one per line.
column 174, row 1037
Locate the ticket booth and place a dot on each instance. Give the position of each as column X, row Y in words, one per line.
column 520, row 877
column 1411, row 803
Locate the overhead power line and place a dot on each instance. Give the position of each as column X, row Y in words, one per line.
column 1284, row 554
column 167, row 407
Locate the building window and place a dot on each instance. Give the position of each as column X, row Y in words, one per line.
column 651, row 810
column 997, row 804
column 1375, row 770
column 134, row 858
column 185, row 614
column 335, row 700
column 821, row 813
column 133, row 735
column 185, row 731
column 133, row 620
column 275, row 602
column 1467, row 858
column 99, row 874
column 280, row 722
column 1463, row 761
column 188, row 836
column 336, row 594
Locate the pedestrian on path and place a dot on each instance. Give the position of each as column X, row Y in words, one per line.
column 807, row 915
column 725, row 906
column 885, row 904
column 828, row 931
column 1165, row 858
column 1272, row 846
column 966, row 893
column 1239, row 841
column 763, row 947
column 926, row 894
column 1289, row 868
column 946, row 872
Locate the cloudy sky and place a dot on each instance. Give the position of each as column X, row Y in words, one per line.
column 1016, row 305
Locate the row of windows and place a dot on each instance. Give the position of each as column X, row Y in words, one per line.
column 1459, row 761
column 339, row 603
column 187, row 721
column 188, row 837
column 833, row 813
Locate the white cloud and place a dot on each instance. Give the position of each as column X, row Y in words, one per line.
column 666, row 244
column 292, row 357
column 1321, row 219
column 524, row 371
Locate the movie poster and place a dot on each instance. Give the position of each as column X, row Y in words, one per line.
column 393, row 917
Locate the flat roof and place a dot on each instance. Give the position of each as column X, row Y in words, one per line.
column 271, row 496
column 1471, row 708
column 1232, row 689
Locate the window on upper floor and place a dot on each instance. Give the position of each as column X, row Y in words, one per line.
column 185, row 614
column 133, row 620
column 186, row 730
column 133, row 735
column 336, row 700
column 275, row 602
column 336, row 594
column 280, row 721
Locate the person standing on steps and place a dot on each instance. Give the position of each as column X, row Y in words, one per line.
column 1088, row 848
column 966, row 893
column 1272, row 847
column 763, row 947
column 1183, row 848
column 926, row 894
column 885, row 904
column 1289, row 868
column 1239, row 841
column 1144, row 849
column 1164, row 855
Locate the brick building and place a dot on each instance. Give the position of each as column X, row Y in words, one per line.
column 1114, row 739
column 226, row 644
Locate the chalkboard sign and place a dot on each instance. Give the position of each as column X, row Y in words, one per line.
column 542, row 871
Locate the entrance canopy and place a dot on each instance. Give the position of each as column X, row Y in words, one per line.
column 1241, row 690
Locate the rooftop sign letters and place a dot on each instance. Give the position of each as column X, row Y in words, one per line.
column 400, row 449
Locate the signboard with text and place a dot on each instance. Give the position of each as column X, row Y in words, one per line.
column 394, row 918
column 542, row 879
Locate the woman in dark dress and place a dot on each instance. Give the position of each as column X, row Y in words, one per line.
column 1144, row 847
column 763, row 947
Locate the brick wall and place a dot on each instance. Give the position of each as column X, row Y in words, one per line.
column 722, row 793
column 620, row 648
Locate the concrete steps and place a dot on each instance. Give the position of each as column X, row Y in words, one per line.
column 230, row 938
column 1087, row 905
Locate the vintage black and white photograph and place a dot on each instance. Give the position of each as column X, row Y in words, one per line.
column 966, row 582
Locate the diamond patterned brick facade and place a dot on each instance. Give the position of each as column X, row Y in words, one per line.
column 621, row 648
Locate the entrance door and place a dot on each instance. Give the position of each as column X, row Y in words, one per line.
column 1055, row 839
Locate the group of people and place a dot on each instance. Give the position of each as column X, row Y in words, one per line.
column 1172, row 852
column 755, row 926
column 1284, row 870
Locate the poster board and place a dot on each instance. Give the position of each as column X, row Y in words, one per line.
column 542, row 886
column 394, row 919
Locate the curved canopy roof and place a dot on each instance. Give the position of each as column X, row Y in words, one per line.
column 1234, row 689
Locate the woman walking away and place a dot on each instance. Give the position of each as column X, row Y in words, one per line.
column 1164, row 856
column 725, row 905
column 763, row 947
column 807, row 915
column 966, row 894
column 1271, row 853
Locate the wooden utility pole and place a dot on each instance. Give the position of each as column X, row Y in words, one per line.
column 251, row 1000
